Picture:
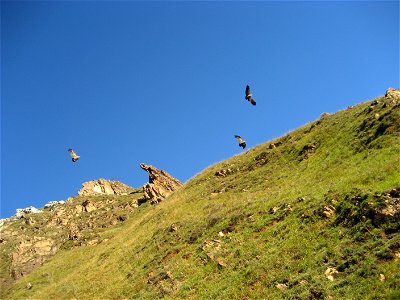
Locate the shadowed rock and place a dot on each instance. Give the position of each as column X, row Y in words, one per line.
column 160, row 185
column 308, row 150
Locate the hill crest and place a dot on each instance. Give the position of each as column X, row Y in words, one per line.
column 325, row 195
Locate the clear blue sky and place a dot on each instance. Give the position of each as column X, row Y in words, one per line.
column 163, row 83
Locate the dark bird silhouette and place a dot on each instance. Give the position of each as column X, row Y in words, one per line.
column 242, row 143
column 249, row 96
column 73, row 155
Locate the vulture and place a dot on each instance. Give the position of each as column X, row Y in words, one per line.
column 242, row 143
column 73, row 155
column 249, row 96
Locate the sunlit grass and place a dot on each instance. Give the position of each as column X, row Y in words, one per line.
column 239, row 236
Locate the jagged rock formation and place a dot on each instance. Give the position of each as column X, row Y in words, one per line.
column 160, row 185
column 104, row 187
column 31, row 253
column 31, row 238
column 72, row 223
column 392, row 93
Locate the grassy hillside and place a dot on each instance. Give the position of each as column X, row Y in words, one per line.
column 265, row 224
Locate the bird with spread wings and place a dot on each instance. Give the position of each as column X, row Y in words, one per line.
column 73, row 155
column 242, row 143
column 249, row 96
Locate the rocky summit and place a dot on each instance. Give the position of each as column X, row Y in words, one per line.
column 313, row 214
column 104, row 187
column 33, row 236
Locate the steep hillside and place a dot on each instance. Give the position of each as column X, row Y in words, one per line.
column 311, row 215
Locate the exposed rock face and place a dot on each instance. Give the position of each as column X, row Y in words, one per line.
column 392, row 93
column 30, row 254
column 391, row 206
column 89, row 206
column 104, row 187
column 213, row 250
column 224, row 172
column 28, row 241
column 160, row 185
column 274, row 145
column 34, row 236
column 308, row 150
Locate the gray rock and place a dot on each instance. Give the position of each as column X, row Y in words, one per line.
column 21, row 212
column 53, row 203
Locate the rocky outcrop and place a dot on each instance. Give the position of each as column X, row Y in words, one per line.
column 104, row 187
column 308, row 150
column 33, row 236
column 329, row 211
column 224, row 172
column 160, row 185
column 274, row 145
column 32, row 239
column 392, row 93
column 53, row 203
column 30, row 254
column 390, row 208
column 21, row 212
column 332, row 273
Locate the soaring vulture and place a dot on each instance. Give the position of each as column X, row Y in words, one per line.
column 249, row 96
column 73, row 155
column 242, row 143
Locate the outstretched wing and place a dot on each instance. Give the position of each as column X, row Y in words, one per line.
column 248, row 93
column 73, row 154
column 239, row 139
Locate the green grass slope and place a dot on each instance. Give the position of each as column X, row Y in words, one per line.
column 265, row 224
